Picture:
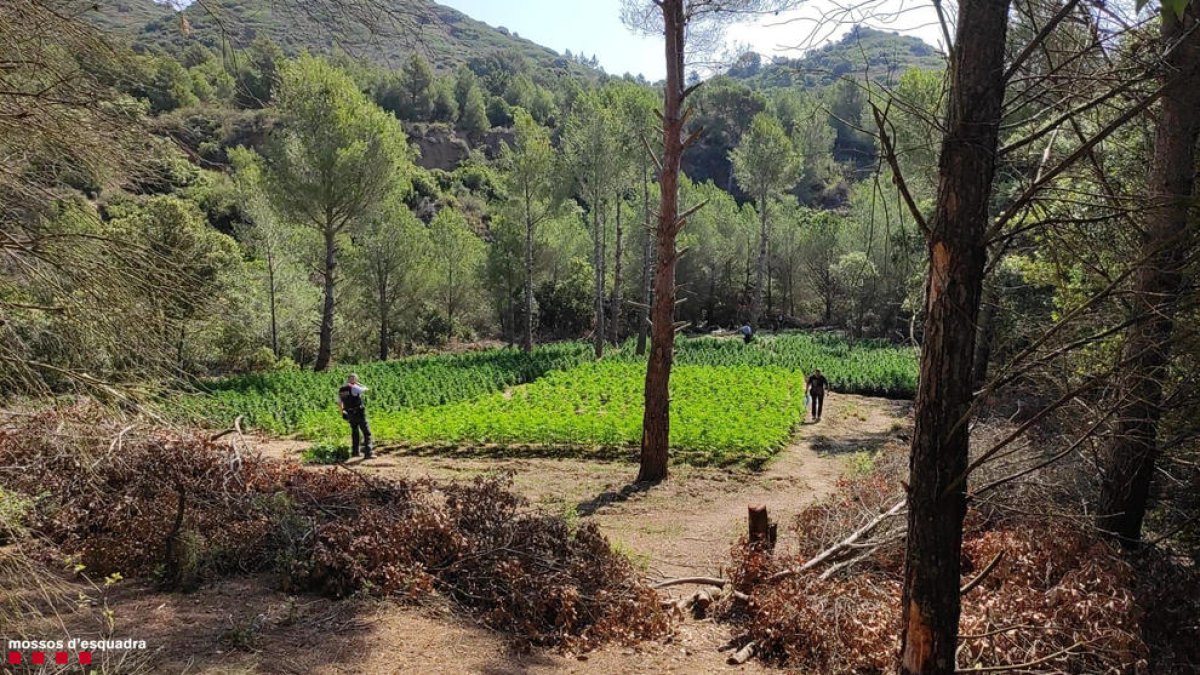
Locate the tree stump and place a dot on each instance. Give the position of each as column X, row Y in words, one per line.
column 762, row 531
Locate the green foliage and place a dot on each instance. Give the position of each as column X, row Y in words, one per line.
column 260, row 75
column 458, row 254
column 589, row 150
column 719, row 414
column 499, row 112
column 14, row 511
column 855, row 274
column 165, row 84
column 1178, row 7
column 326, row 453
column 848, row 115
column 338, row 155
column 285, row 401
column 473, row 117
column 867, row 368
column 564, row 308
column 390, row 266
column 862, row 52
column 724, row 109
column 915, row 127
column 720, row 236
column 418, row 83
column 382, row 33
column 804, row 118
column 731, row 402
column 763, row 161
column 173, row 232
column 445, row 107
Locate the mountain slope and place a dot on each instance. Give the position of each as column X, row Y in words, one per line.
column 864, row 52
column 121, row 15
column 386, row 33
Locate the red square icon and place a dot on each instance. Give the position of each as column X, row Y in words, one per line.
column 14, row 658
column 60, row 658
column 39, row 658
column 85, row 658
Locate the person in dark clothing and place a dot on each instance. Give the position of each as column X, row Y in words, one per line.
column 747, row 333
column 816, row 390
column 350, row 402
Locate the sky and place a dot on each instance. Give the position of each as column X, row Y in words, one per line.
column 593, row 27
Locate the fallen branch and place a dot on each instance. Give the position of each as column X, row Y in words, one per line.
column 236, row 428
column 838, row 548
column 825, row 556
column 701, row 581
column 742, row 655
column 1022, row 666
column 970, row 585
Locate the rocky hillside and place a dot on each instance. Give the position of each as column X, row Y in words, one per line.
column 385, row 33
column 864, row 52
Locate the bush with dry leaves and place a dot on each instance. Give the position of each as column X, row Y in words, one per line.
column 1059, row 599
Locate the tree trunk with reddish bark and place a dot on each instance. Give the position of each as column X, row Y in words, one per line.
column 656, row 423
column 957, row 249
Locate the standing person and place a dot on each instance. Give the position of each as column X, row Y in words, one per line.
column 816, row 389
column 350, row 402
column 747, row 333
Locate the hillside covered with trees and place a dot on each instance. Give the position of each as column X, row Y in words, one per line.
column 562, row 229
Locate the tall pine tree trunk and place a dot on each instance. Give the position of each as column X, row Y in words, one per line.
column 598, row 264
column 273, row 300
column 325, row 344
column 647, row 261
column 384, row 333
column 527, row 339
column 986, row 335
column 656, row 422
column 957, row 249
column 1166, row 242
column 450, row 300
column 760, row 272
column 615, row 298
column 382, row 282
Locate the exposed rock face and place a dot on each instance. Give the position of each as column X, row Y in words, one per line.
column 495, row 139
column 440, row 146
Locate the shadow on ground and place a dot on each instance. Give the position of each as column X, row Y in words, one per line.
column 515, row 451
column 608, row 497
column 847, row 445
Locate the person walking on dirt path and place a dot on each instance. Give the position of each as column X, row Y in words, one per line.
column 350, row 402
column 747, row 333
column 815, row 388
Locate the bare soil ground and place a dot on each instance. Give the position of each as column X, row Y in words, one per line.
column 681, row 528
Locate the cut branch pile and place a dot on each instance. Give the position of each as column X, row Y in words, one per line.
column 1041, row 594
column 185, row 509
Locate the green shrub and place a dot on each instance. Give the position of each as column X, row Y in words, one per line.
column 326, row 453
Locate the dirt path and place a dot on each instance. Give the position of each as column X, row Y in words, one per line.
column 683, row 527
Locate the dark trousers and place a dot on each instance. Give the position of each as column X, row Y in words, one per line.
column 747, row 338
column 818, row 404
column 358, row 425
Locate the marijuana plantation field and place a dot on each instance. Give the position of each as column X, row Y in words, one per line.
column 721, row 414
column 731, row 402
column 277, row 402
